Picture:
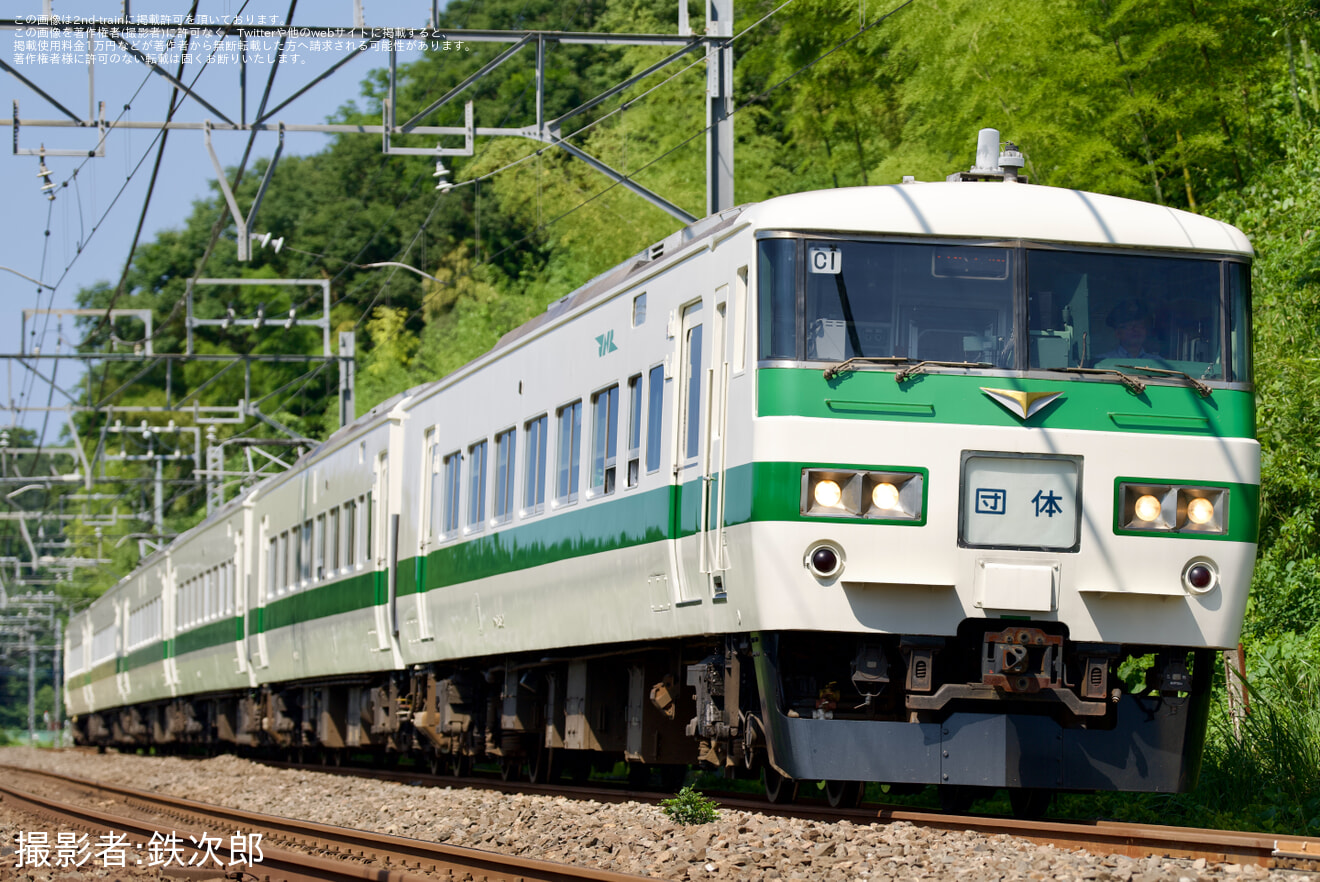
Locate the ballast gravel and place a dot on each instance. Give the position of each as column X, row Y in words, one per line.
column 627, row 837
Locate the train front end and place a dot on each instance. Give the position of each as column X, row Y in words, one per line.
column 1006, row 486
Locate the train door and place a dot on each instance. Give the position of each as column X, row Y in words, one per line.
column 258, row 591
column 383, row 576
column 699, row 452
column 232, row 605
column 714, row 561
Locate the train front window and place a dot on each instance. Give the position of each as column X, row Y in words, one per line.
column 1104, row 310
column 963, row 304
column 897, row 300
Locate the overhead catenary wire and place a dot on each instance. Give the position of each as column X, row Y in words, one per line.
column 161, row 133
column 758, row 97
column 491, row 256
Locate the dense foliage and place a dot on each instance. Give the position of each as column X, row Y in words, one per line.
column 1207, row 105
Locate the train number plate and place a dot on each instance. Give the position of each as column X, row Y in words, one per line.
column 1014, row 501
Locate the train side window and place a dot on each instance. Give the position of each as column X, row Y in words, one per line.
column 364, row 531
column 476, row 485
column 272, row 565
column 534, row 497
column 639, row 310
column 319, row 572
column 654, row 417
column 305, row 553
column 776, row 272
column 692, row 376
column 634, row 429
column 207, row 590
column 505, row 465
column 604, row 439
column 282, row 568
column 435, row 499
column 740, row 321
column 350, row 534
column 453, row 473
column 332, row 539
column 568, row 453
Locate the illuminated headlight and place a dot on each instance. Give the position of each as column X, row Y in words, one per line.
column 1147, row 508
column 884, row 496
column 826, row 493
column 1200, row 511
column 1173, row 508
column 880, row 495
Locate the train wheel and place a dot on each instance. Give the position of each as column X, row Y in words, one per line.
column 844, row 794
column 1029, row 803
column 460, row 765
column 511, row 768
column 778, row 789
column 543, row 765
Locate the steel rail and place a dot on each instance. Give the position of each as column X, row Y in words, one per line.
column 391, row 857
column 1107, row 837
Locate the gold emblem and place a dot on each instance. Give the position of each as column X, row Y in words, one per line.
column 1021, row 404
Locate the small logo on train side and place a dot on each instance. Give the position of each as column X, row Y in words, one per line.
column 991, row 501
column 1047, row 503
column 825, row 260
column 606, row 343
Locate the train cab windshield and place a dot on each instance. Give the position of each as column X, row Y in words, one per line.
column 833, row 300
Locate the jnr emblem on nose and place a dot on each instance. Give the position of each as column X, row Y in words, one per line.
column 1024, row 405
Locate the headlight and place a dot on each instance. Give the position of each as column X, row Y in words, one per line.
column 1173, row 508
column 884, row 496
column 827, row 493
column 877, row 495
column 1200, row 511
column 1147, row 508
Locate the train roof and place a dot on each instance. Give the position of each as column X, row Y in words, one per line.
column 998, row 210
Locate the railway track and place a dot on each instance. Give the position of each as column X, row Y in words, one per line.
column 1103, row 837
column 290, row 850
column 1098, row 837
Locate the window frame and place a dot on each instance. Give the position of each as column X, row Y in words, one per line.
column 452, row 521
column 506, row 471
column 535, row 464
column 570, row 469
column 633, row 448
column 607, row 460
column 655, row 417
column 477, row 478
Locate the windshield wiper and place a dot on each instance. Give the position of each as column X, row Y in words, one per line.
column 922, row 365
column 849, row 364
column 1201, row 388
column 1137, row 386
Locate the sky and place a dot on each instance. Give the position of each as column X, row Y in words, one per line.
column 83, row 236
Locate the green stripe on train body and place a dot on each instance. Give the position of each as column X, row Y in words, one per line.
column 628, row 521
column 869, row 394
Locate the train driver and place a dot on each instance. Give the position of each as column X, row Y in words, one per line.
column 1131, row 323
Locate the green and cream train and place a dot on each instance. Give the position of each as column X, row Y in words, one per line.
column 936, row 483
